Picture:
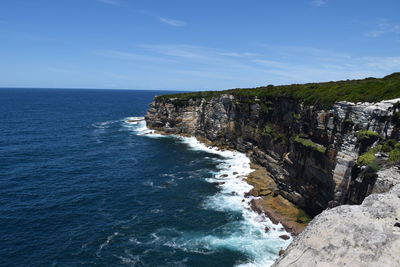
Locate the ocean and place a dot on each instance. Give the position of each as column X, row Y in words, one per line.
column 82, row 186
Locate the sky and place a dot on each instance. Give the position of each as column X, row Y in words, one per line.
column 195, row 45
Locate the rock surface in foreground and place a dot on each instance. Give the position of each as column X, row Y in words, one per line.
column 359, row 235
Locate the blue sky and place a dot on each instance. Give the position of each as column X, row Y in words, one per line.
column 195, row 45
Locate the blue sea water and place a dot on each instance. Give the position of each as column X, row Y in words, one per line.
column 81, row 186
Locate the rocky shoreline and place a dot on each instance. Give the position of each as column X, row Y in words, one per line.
column 268, row 201
column 266, row 197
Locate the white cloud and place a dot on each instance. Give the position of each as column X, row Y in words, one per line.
column 172, row 22
column 318, row 3
column 374, row 34
column 122, row 55
column 383, row 27
column 179, row 50
column 272, row 63
column 235, row 54
column 185, row 66
column 383, row 63
column 110, row 2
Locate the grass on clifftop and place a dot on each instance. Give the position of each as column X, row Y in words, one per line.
column 326, row 93
column 367, row 137
column 391, row 147
column 308, row 143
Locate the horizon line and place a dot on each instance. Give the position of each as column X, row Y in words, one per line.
column 92, row 88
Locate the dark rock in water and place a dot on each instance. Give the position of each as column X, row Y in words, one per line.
column 218, row 183
column 224, row 175
column 281, row 252
column 234, row 193
column 397, row 224
column 234, row 173
column 242, row 200
column 267, row 229
column 284, row 237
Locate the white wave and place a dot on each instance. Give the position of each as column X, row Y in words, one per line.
column 139, row 127
column 248, row 235
column 134, row 240
column 104, row 124
column 108, row 240
column 148, row 183
column 155, row 211
column 101, row 128
column 131, row 260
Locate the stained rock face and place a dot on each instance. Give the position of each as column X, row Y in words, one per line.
column 357, row 235
column 309, row 152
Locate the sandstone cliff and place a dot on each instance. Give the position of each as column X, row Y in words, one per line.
column 321, row 152
column 312, row 153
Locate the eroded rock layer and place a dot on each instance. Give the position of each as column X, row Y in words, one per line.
column 312, row 154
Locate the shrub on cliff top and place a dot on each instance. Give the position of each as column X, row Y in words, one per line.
column 323, row 94
column 389, row 145
column 394, row 155
column 367, row 137
column 367, row 158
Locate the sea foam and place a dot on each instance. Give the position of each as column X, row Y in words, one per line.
column 247, row 234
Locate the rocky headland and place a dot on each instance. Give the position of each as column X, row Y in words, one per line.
column 329, row 150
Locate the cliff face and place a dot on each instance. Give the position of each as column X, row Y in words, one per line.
column 310, row 152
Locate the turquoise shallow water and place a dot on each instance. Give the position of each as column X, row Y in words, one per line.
column 79, row 186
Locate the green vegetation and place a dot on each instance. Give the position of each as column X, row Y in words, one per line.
column 296, row 116
column 303, row 217
column 394, row 154
column 389, row 145
column 310, row 144
column 270, row 132
column 367, row 137
column 324, row 94
column 369, row 158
